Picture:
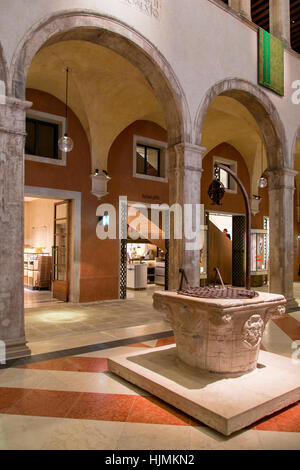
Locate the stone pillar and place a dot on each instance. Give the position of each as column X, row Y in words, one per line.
column 243, row 7
column 281, row 197
column 12, row 140
column 185, row 170
column 280, row 20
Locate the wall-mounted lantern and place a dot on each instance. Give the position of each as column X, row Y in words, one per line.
column 99, row 183
column 255, row 202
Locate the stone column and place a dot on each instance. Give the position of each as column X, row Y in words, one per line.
column 281, row 197
column 280, row 20
column 12, row 139
column 243, row 7
column 185, row 170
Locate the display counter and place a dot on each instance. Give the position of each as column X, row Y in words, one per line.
column 159, row 273
column 259, row 257
column 137, row 276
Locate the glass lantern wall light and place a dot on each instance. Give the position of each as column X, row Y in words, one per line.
column 263, row 182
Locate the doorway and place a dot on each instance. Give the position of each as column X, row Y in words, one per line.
column 220, row 246
column 61, row 251
column 144, row 254
column 227, row 247
column 39, row 241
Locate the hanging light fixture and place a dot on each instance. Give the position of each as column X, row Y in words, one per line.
column 65, row 143
column 216, row 190
column 263, row 182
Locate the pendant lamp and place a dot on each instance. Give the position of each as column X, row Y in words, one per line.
column 65, row 143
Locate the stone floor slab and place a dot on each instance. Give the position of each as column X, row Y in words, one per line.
column 227, row 405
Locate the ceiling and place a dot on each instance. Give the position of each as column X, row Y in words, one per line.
column 106, row 92
column 229, row 121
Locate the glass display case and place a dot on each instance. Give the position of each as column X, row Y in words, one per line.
column 259, row 251
column 203, row 253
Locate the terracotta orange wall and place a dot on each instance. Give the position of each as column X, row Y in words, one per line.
column 120, row 167
column 257, row 220
column 101, row 275
column 73, row 177
column 99, row 259
column 232, row 203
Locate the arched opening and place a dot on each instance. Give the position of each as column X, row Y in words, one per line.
column 222, row 236
column 262, row 110
column 116, row 78
column 239, row 113
column 117, row 37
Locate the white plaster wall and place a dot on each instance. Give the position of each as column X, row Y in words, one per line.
column 203, row 43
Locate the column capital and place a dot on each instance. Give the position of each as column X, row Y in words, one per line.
column 14, row 103
column 186, row 156
column 188, row 147
column 12, row 115
column 281, row 178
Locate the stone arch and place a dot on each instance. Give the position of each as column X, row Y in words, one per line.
column 111, row 33
column 263, row 110
column 280, row 175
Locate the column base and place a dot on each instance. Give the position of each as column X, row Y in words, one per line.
column 16, row 349
column 291, row 305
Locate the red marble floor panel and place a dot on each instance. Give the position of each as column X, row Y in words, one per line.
column 92, row 406
column 49, row 403
column 102, row 407
column 71, row 364
column 122, row 408
column 9, row 396
column 287, row 420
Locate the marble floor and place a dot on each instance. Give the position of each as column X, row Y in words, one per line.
column 73, row 402
column 67, row 399
column 58, row 326
column 51, row 325
column 38, row 298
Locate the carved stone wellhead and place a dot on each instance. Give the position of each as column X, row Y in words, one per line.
column 220, row 336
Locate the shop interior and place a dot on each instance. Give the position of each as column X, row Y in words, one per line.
column 145, row 250
column 45, row 227
column 221, row 248
column 260, row 255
